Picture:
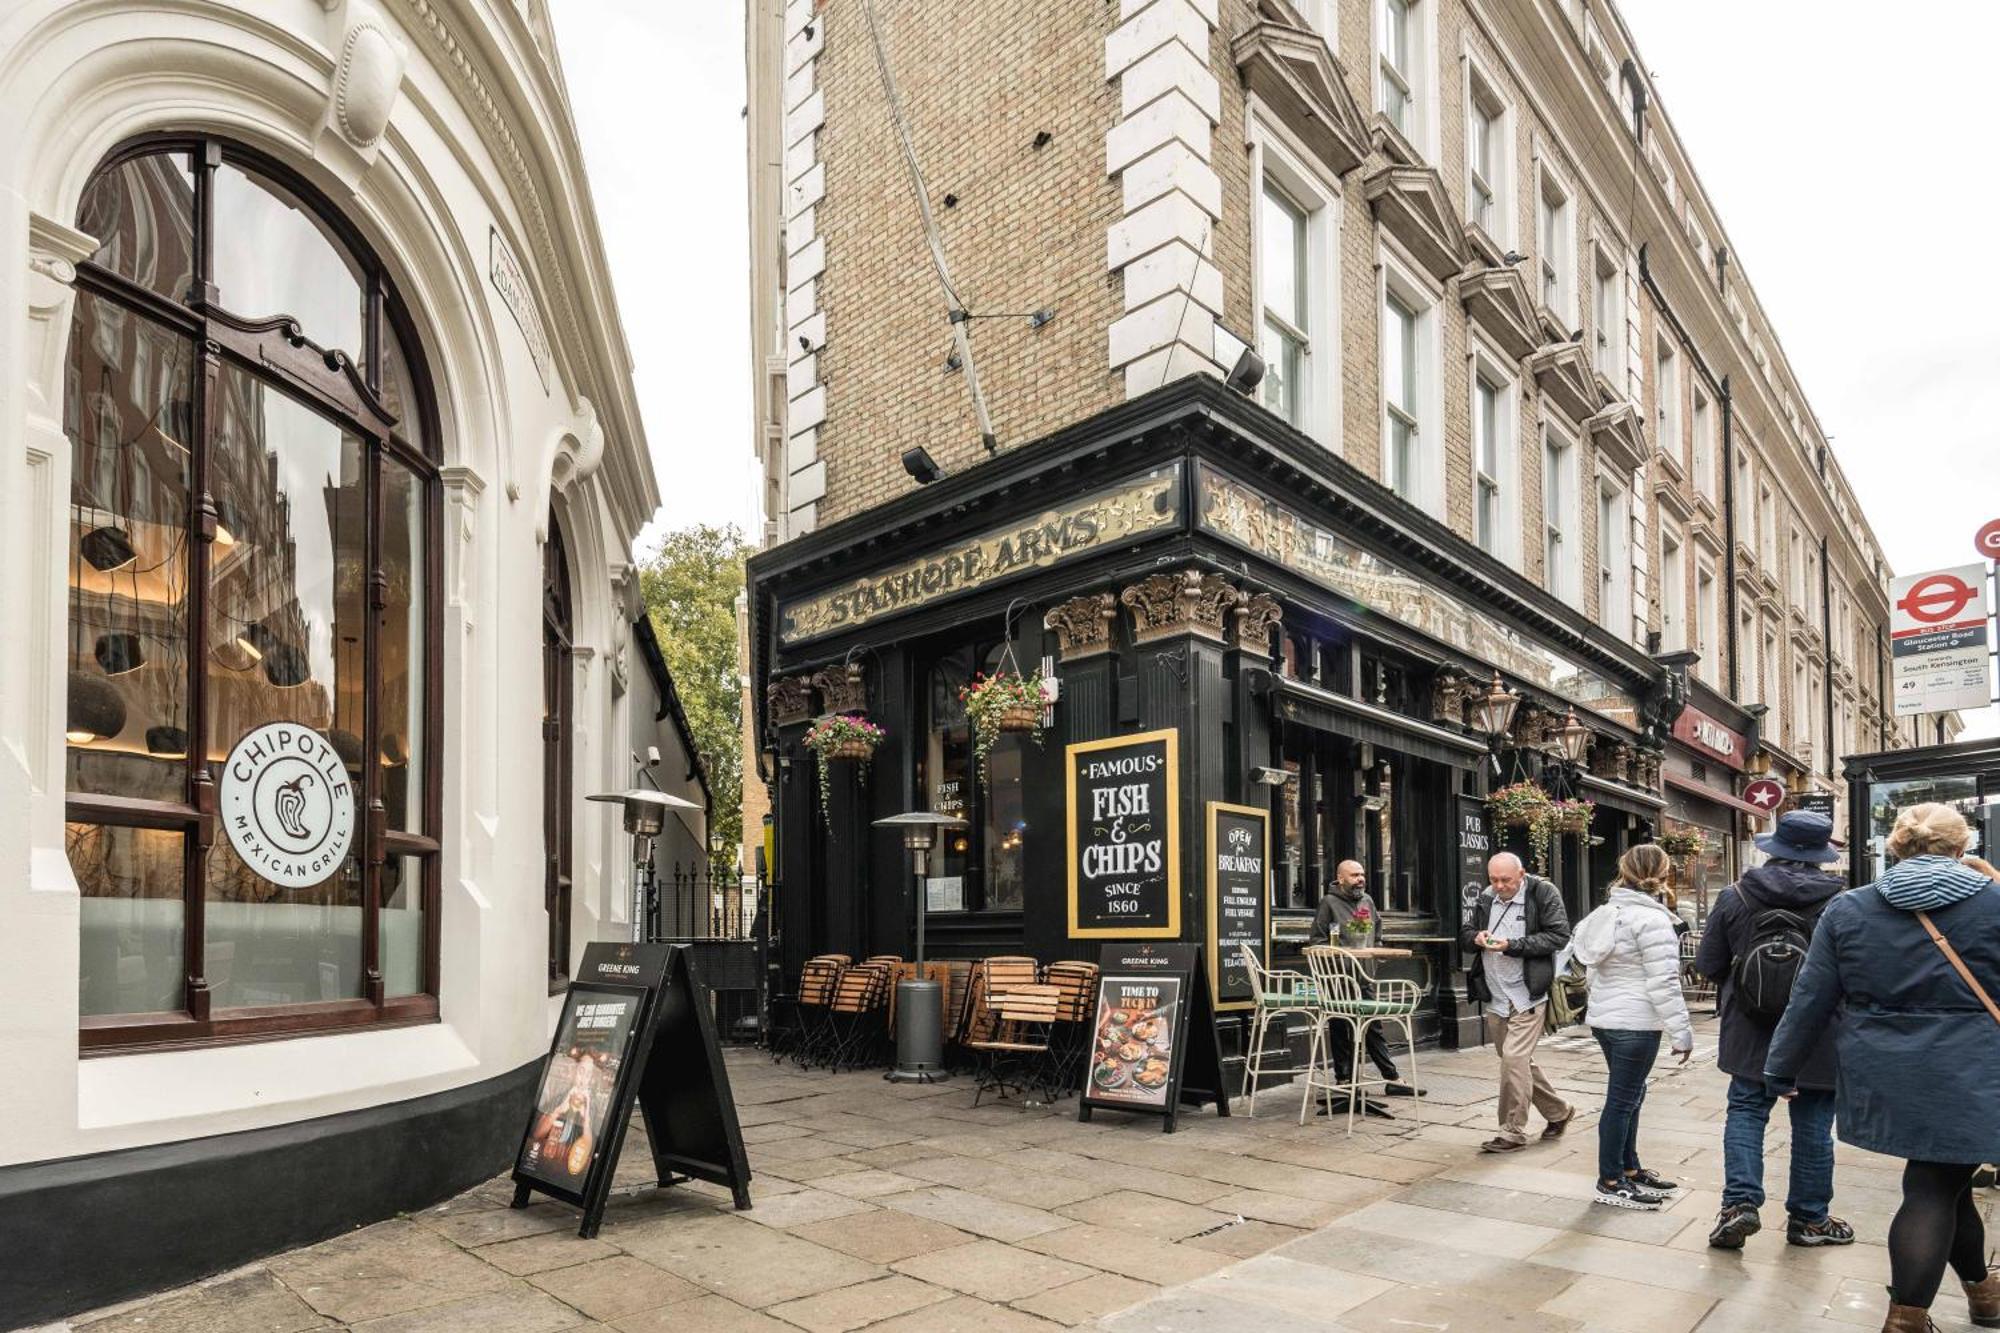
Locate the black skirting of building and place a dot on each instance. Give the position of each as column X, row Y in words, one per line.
column 1184, row 563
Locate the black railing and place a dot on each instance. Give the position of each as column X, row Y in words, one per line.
column 715, row 911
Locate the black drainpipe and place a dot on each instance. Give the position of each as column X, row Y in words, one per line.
column 1826, row 632
column 1729, row 536
column 1722, row 269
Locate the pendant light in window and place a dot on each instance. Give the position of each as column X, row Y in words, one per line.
column 166, row 742
column 96, row 709
column 107, row 549
column 119, row 653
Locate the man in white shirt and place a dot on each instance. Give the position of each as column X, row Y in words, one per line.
column 1511, row 937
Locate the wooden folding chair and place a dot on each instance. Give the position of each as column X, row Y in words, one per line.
column 1069, row 1039
column 818, row 981
column 860, row 1002
column 1023, row 1015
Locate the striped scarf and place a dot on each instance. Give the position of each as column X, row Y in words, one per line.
column 1925, row 883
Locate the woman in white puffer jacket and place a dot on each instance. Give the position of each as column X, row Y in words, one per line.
column 1634, row 958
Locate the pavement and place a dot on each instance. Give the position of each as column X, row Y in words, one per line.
column 894, row 1207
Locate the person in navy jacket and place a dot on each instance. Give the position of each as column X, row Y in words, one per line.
column 1918, row 1050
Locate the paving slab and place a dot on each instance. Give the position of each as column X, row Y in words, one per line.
column 611, row 1288
column 992, row 1271
column 1090, row 1298
column 252, row 1301
column 976, row 1213
column 859, row 1305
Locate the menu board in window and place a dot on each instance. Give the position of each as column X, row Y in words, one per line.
column 1123, row 808
column 1239, row 897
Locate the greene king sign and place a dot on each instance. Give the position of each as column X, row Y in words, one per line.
column 288, row 804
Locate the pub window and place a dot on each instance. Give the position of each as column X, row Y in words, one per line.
column 982, row 867
column 254, row 506
column 558, row 777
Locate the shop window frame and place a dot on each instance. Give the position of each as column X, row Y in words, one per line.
column 983, row 655
column 274, row 350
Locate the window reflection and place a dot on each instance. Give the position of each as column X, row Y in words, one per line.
column 141, row 213
column 130, row 958
column 947, row 780
column 287, row 264
column 402, row 647
column 127, row 418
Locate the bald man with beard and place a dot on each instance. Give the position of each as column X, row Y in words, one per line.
column 1348, row 895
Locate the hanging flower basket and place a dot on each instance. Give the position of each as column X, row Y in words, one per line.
column 1518, row 805
column 1003, row 702
column 1683, row 844
column 847, row 736
column 1571, row 816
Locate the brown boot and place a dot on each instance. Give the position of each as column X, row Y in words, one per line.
column 1908, row 1319
column 1983, row 1297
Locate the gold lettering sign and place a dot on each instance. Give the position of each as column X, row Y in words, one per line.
column 1097, row 522
column 1252, row 520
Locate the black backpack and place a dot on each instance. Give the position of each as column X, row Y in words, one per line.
column 1766, row 970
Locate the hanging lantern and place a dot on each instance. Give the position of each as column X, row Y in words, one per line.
column 1573, row 739
column 95, row 709
column 1496, row 708
column 107, row 549
column 119, row 653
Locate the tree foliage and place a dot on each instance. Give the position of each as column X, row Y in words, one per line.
column 690, row 585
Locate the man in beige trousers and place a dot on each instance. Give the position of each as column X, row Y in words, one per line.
column 1510, row 938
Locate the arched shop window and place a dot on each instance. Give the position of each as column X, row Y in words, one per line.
column 558, row 774
column 981, row 868
column 254, row 509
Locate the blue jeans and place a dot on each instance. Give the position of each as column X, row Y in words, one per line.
column 1629, row 1057
column 1811, row 1188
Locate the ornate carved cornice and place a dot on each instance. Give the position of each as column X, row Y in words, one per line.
column 1188, row 601
column 1618, row 436
column 1562, row 372
column 1082, row 625
column 1292, row 72
column 789, row 700
column 1256, row 615
column 1451, row 691
column 1413, row 205
column 843, row 689
column 1498, row 301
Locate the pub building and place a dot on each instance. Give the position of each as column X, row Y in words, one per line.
column 1184, row 563
column 1709, row 751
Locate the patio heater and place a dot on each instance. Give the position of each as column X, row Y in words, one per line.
column 645, row 815
column 919, row 1001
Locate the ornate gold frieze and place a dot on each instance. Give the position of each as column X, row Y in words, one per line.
column 1188, row 601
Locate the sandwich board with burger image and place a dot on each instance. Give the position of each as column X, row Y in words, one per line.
column 635, row 1027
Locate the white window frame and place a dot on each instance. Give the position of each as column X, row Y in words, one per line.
column 1614, row 556
column 1607, row 326
column 1708, row 620
column 1748, row 678
column 1673, row 589
column 1488, row 366
column 1323, row 17
column 1482, row 93
column 1274, row 156
column 1767, row 527
column 1772, row 665
column 1801, row 567
column 1563, row 528
column 1746, row 501
column 1403, row 278
column 1419, row 81
column 1702, row 444
column 1801, row 731
column 1557, row 269
column 1667, row 399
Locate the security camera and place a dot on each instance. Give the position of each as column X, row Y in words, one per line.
column 652, row 756
column 1247, row 373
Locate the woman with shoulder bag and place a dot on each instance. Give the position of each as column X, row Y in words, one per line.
column 1907, row 969
column 1634, row 957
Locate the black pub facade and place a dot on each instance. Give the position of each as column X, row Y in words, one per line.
column 1237, row 622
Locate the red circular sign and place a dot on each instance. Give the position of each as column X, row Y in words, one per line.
column 1937, row 598
column 1988, row 541
column 1767, row 794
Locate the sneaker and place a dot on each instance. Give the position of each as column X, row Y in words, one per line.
column 1736, row 1223
column 1625, row 1194
column 1646, row 1178
column 1826, row 1231
column 1403, row 1090
column 1501, row 1145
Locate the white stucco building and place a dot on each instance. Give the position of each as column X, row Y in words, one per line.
column 314, row 411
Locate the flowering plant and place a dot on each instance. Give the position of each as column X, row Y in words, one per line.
column 1002, row 702
column 1517, row 805
column 840, row 736
column 1683, row 843
column 1359, row 926
column 1571, row 816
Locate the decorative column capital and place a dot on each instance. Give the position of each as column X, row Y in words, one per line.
column 1450, row 692
column 844, row 689
column 1187, row 601
column 1256, row 615
column 790, row 700
column 1082, row 625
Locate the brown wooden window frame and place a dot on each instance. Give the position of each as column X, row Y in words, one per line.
column 278, row 351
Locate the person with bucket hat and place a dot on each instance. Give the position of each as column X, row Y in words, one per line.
column 1753, row 947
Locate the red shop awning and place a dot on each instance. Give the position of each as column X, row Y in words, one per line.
column 1708, row 793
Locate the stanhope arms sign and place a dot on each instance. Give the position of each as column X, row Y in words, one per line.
column 1096, row 522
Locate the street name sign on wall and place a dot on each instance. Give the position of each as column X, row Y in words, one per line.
column 1937, row 640
column 1123, row 810
column 1239, row 899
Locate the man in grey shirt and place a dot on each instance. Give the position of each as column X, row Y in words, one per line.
column 1510, row 938
column 1348, row 895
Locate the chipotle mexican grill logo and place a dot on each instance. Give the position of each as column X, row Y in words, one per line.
column 288, row 804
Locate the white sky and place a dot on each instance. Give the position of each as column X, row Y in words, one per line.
column 1849, row 161
column 657, row 88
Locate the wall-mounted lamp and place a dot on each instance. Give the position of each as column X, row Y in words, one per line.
column 923, row 469
column 1266, row 776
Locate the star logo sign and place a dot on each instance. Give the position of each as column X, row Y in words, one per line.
column 1764, row 793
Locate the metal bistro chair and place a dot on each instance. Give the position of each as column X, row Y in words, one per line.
column 1024, row 1016
column 1348, row 992
column 1279, row 995
column 818, row 981
column 1069, row 1040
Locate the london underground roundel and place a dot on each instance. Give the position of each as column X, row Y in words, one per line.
column 287, row 804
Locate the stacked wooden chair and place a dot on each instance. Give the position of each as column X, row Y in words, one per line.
column 859, row 1014
column 819, row 980
column 1069, row 1040
column 1018, row 1043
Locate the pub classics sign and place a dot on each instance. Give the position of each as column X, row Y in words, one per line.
column 1103, row 520
column 1123, row 809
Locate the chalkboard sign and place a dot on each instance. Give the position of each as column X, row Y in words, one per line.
column 1239, row 899
column 1153, row 1040
column 1475, row 847
column 635, row 1026
column 1123, row 806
